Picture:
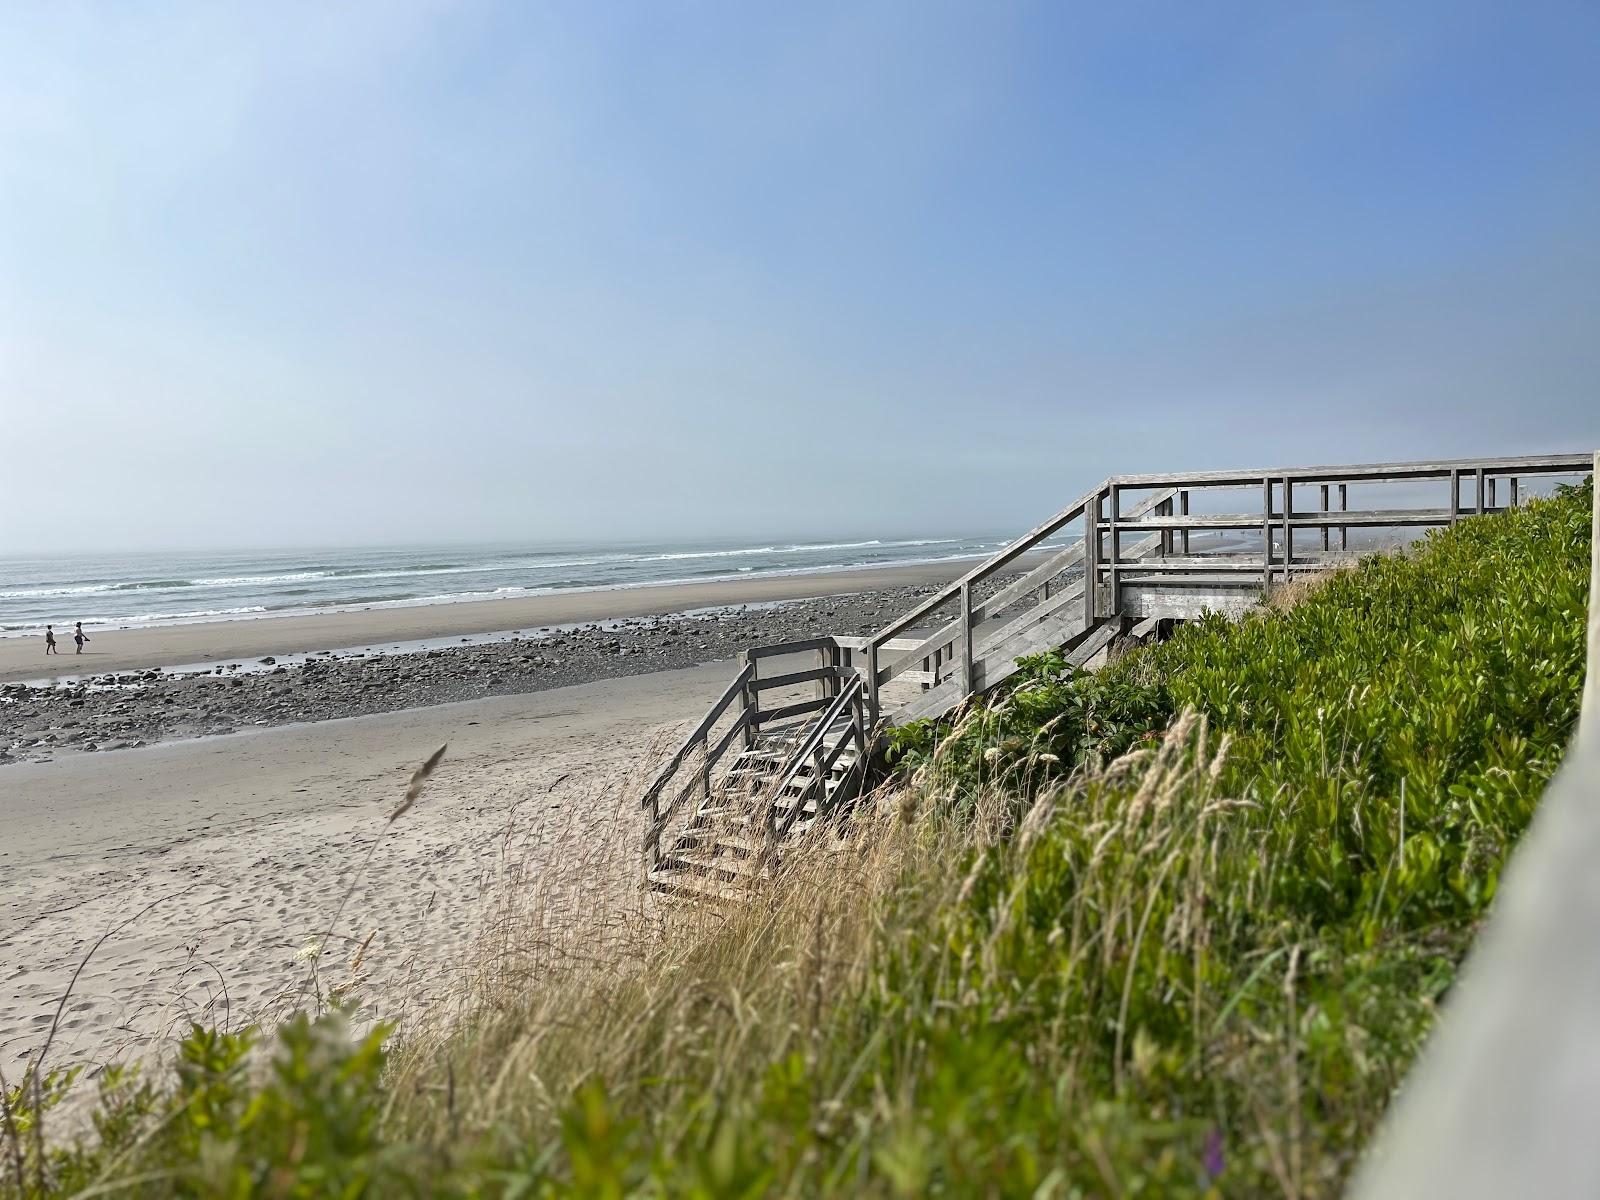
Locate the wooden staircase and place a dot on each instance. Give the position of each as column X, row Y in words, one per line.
column 1150, row 548
column 725, row 845
column 789, row 773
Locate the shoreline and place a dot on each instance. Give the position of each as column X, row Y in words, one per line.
column 98, row 710
column 212, row 642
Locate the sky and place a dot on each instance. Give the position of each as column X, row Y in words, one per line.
column 397, row 272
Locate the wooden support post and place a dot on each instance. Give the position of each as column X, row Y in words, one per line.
column 1344, row 530
column 749, row 699
column 1492, row 482
column 1091, row 557
column 1513, row 499
column 1288, row 533
column 1479, row 501
column 872, row 682
column 966, row 638
column 1324, row 502
column 1113, row 550
column 1266, row 534
column 1183, row 510
column 1455, row 495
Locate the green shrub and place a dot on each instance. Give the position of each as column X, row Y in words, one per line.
column 307, row 1125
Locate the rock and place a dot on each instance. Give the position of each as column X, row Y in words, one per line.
column 268, row 661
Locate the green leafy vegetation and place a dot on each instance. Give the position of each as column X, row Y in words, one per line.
column 1177, row 928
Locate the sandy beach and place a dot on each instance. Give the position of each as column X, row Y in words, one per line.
column 246, row 843
column 222, row 641
column 217, row 855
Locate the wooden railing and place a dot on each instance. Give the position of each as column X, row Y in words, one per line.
column 1145, row 544
column 690, row 770
column 845, row 717
column 1147, row 547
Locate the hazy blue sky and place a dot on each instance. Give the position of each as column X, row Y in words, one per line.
column 279, row 273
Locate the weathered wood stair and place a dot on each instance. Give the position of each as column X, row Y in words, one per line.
column 724, row 847
column 1149, row 549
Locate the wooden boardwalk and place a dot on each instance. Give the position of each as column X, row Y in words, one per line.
column 790, row 739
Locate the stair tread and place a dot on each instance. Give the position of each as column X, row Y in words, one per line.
column 695, row 887
column 710, row 860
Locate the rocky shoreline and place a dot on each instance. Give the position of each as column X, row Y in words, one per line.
column 39, row 722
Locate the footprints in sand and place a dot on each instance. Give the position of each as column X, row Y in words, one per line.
column 242, row 906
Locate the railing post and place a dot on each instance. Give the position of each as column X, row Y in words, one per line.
column 1492, row 482
column 872, row 680
column 1266, row 535
column 1183, row 510
column 1513, row 498
column 1324, row 502
column 966, row 638
column 652, row 847
column 1344, row 506
column 1288, row 532
column 748, row 696
column 1479, row 501
column 1455, row 494
column 1091, row 556
column 1113, row 511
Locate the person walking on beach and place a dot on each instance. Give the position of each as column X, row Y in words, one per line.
column 79, row 636
column 50, row 641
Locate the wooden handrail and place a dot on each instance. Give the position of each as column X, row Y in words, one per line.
column 825, row 764
column 811, row 675
column 986, row 568
column 1049, row 569
column 1398, row 472
column 807, row 747
column 699, row 734
column 796, row 647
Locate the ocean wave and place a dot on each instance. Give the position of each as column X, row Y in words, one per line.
column 150, row 585
column 45, row 593
column 794, row 548
column 116, row 597
column 193, row 615
column 344, row 572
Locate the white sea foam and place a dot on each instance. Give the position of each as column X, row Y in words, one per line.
column 143, row 590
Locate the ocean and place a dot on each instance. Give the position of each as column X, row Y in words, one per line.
column 133, row 590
